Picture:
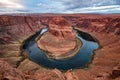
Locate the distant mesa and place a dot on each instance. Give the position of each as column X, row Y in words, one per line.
column 60, row 40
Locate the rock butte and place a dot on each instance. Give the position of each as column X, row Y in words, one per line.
column 60, row 40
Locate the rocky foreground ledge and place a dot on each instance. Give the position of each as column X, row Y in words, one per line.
column 9, row 73
column 60, row 40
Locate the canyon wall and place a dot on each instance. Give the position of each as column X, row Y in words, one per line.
column 23, row 25
column 14, row 29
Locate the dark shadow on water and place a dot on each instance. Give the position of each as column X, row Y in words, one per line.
column 85, row 36
column 32, row 39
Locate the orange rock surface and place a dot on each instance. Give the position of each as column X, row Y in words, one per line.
column 59, row 39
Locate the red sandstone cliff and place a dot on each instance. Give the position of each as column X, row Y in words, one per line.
column 98, row 23
column 59, row 40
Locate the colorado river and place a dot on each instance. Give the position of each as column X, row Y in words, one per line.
column 79, row 60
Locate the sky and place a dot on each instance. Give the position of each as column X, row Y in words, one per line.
column 59, row 6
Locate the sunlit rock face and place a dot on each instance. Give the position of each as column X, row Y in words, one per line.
column 59, row 39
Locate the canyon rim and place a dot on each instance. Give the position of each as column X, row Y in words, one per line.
column 15, row 29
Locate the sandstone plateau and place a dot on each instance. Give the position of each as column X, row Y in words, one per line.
column 14, row 29
column 59, row 40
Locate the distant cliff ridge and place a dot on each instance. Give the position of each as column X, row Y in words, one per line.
column 97, row 23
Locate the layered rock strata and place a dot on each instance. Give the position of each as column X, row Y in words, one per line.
column 60, row 39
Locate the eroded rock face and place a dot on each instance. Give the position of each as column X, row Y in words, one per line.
column 116, row 71
column 56, row 74
column 9, row 73
column 59, row 39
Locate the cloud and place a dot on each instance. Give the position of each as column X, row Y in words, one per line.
column 55, row 7
column 60, row 6
column 73, row 4
column 11, row 4
column 7, row 11
column 90, row 6
column 101, row 9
